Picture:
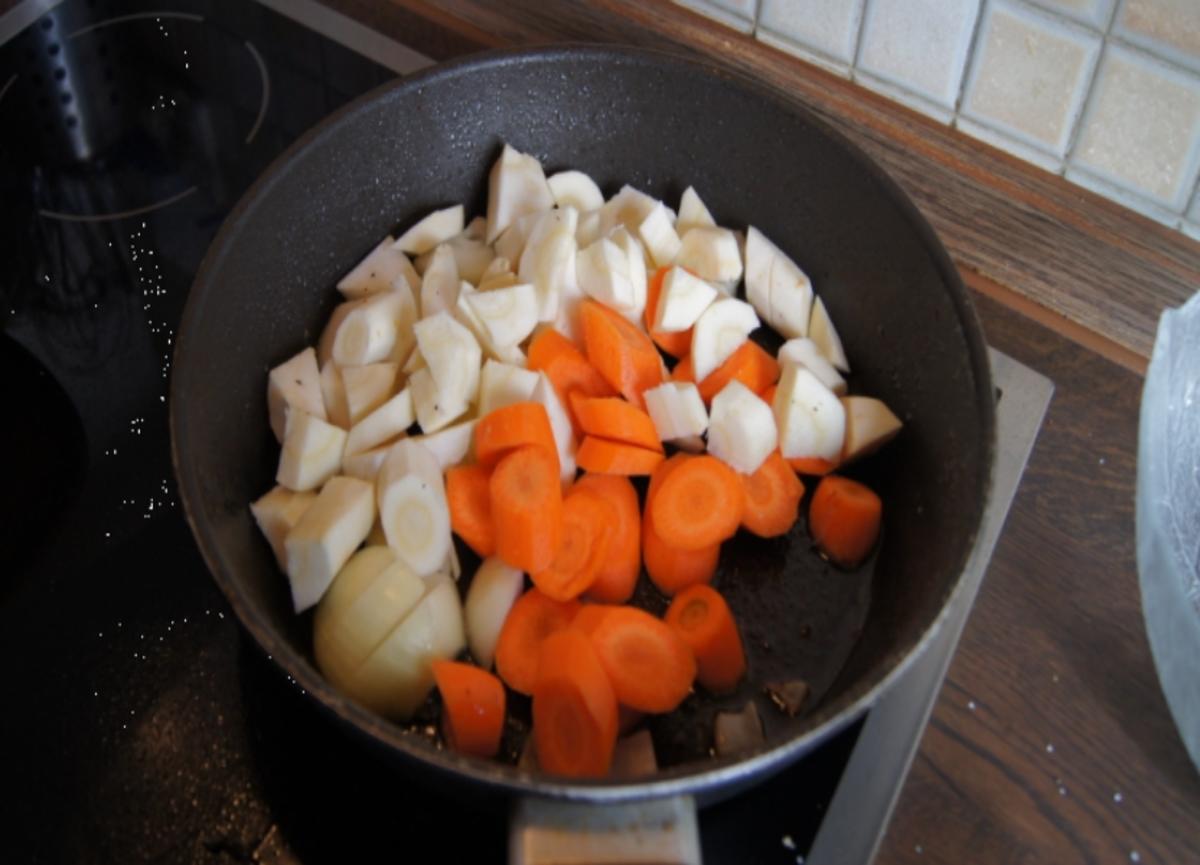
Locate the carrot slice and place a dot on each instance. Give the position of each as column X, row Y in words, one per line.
column 532, row 619
column 669, row 568
column 677, row 343
column 574, row 708
column 683, row 370
column 513, row 426
column 702, row 618
column 621, row 351
column 699, row 503
column 750, row 365
column 565, row 366
column 469, row 497
column 811, row 465
column 615, row 458
column 611, row 417
column 773, row 496
column 844, row 519
column 472, row 707
column 587, row 521
column 526, row 498
column 768, row 396
column 618, row 573
column 650, row 666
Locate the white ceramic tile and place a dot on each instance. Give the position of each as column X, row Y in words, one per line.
column 775, row 41
column 1191, row 229
column 738, row 14
column 822, row 27
column 1168, row 28
column 1194, row 211
column 918, row 45
column 1122, row 195
column 904, row 97
column 1019, row 149
column 1141, row 128
column 1094, row 13
column 1029, row 75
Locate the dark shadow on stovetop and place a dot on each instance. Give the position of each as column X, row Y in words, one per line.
column 333, row 799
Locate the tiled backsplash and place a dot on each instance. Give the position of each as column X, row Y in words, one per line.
column 1104, row 92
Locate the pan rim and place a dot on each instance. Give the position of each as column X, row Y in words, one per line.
column 687, row 779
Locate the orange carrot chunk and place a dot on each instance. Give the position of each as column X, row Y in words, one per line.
column 470, row 501
column 811, row 465
column 614, row 419
column 587, row 521
column 844, row 519
column 702, row 618
column 513, row 426
column 472, row 707
column 699, row 504
column 676, row 344
column 526, row 498
column 669, row 568
column 615, row 458
column 773, row 496
column 750, row 365
column 565, row 365
column 621, row 351
column 683, row 370
column 532, row 619
column 650, row 666
column 618, row 573
column 574, row 708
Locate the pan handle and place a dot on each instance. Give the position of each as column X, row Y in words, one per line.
column 555, row 832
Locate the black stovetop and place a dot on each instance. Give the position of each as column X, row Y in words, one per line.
column 138, row 725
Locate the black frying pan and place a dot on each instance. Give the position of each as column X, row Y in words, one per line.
column 659, row 123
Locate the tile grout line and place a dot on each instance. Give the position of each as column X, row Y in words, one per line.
column 983, row 10
column 858, row 39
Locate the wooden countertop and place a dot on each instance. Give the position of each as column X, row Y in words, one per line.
column 1051, row 740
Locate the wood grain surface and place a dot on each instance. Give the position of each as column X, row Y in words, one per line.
column 1051, row 740
column 1069, row 253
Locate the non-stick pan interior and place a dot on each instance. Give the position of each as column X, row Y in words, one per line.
column 659, row 124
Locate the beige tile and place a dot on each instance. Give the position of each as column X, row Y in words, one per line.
column 1008, row 144
column 1169, row 28
column 1122, row 195
column 1029, row 75
column 939, row 113
column 823, row 27
column 1094, row 13
column 738, row 14
column 918, row 45
column 768, row 37
column 1141, row 128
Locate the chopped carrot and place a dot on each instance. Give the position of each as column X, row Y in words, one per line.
column 526, row 498
column 773, row 496
column 672, row 569
column 612, row 418
column 532, row 619
column 683, row 370
column 513, row 426
column 621, row 351
column 699, row 503
column 676, row 344
column 811, row 465
column 768, row 396
column 844, row 518
column 650, row 666
column 470, row 501
column 587, row 526
column 472, row 707
column 615, row 458
column 589, row 616
column 565, row 366
column 617, row 577
column 700, row 615
column 574, row 708
column 750, row 365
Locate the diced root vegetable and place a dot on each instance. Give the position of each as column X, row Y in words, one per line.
column 508, row 314
column 333, row 394
column 718, row 333
column 365, row 465
column 276, row 513
column 560, row 424
column 711, row 254
column 628, row 208
column 312, row 452
column 693, row 213
column 440, row 283
column 386, row 422
column 684, row 298
column 658, row 234
column 435, row 410
column 376, row 272
column 779, row 290
column 326, row 535
column 602, row 270
column 821, row 331
column 367, row 387
column 294, row 384
column 741, row 428
column 375, row 328
column 516, row 186
column 575, row 189
column 451, row 445
column 869, row 425
column 810, row 419
column 412, row 507
column 677, row 410
column 805, row 352
column 435, row 228
column 502, row 384
column 453, row 356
